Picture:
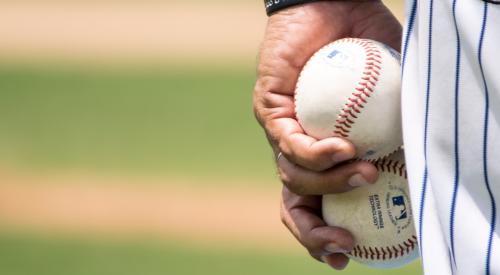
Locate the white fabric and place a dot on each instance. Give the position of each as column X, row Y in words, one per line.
column 444, row 125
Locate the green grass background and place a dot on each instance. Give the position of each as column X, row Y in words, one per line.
column 191, row 122
column 195, row 122
column 36, row 254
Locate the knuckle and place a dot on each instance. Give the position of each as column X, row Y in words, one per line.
column 292, row 183
column 267, row 84
column 259, row 109
column 264, row 101
column 256, row 107
column 286, row 179
column 285, row 149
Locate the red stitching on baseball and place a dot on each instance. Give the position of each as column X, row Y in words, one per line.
column 358, row 95
column 369, row 79
column 387, row 165
column 340, row 133
column 388, row 252
column 402, row 248
column 385, row 253
column 342, row 129
column 347, row 118
column 372, row 253
column 344, row 123
column 353, row 106
column 395, row 249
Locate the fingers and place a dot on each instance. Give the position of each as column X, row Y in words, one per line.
column 276, row 114
column 339, row 179
column 302, row 215
column 306, row 151
column 284, row 51
column 325, row 243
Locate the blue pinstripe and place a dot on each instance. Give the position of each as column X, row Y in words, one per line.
column 409, row 29
column 426, row 128
column 457, row 163
column 485, row 143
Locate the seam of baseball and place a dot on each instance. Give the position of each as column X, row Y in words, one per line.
column 394, row 251
column 364, row 89
column 388, row 165
column 385, row 253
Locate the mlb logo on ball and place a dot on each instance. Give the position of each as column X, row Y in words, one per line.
column 337, row 58
column 337, row 55
column 399, row 202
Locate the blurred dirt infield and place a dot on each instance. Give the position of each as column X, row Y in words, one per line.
column 149, row 31
column 115, row 207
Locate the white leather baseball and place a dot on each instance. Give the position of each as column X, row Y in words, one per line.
column 379, row 216
column 351, row 88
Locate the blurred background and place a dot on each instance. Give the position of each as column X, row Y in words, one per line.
column 128, row 143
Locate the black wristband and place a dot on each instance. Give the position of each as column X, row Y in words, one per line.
column 276, row 5
column 496, row 2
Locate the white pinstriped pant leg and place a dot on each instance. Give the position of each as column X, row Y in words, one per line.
column 451, row 122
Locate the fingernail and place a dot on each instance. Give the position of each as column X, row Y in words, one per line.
column 357, row 180
column 334, row 248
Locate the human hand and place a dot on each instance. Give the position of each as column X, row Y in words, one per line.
column 309, row 166
column 292, row 36
column 302, row 216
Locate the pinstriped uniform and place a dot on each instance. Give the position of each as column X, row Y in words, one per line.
column 451, row 125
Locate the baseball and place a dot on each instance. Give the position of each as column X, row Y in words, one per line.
column 379, row 216
column 351, row 88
